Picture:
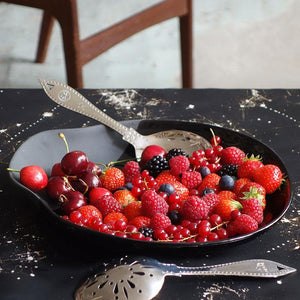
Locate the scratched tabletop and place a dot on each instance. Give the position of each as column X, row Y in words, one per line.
column 38, row 265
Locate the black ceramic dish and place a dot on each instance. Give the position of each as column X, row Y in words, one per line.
column 103, row 145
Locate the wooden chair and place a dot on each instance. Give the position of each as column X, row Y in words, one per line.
column 79, row 52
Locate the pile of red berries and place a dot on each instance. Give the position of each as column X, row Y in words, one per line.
column 214, row 194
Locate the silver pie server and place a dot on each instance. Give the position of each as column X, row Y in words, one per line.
column 69, row 98
column 144, row 278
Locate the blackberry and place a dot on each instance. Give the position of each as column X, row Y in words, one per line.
column 175, row 152
column 175, row 217
column 146, row 231
column 156, row 165
column 228, row 170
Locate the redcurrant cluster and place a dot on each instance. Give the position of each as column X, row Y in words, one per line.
column 143, row 183
column 208, row 158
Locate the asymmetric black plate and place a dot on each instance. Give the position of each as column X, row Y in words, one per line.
column 102, row 145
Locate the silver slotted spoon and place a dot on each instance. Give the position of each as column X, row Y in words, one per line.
column 144, row 278
column 69, row 98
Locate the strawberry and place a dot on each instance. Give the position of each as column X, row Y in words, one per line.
column 140, row 221
column 210, row 181
column 133, row 209
column 211, row 201
column 227, row 195
column 124, row 197
column 131, row 169
column 152, row 203
column 253, row 208
column 108, row 204
column 181, row 190
column 191, row 179
column 239, row 184
column 166, row 177
column 194, row 208
column 232, row 155
column 250, row 164
column 88, row 212
column 253, row 190
column 269, row 176
column 179, row 164
column 113, row 217
column 225, row 207
column 160, row 221
column 244, row 224
column 112, row 178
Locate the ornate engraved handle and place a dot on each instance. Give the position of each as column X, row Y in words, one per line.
column 69, row 98
column 252, row 268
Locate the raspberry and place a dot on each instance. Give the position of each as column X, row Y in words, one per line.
column 140, row 221
column 152, row 203
column 229, row 169
column 194, row 209
column 232, row 155
column 156, row 165
column 133, row 209
column 131, row 169
column 191, row 179
column 160, row 221
column 253, row 208
column 179, row 164
column 211, row 201
column 244, row 224
column 108, row 204
column 114, row 216
column 175, row 152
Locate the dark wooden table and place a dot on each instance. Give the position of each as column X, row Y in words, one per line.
column 34, row 265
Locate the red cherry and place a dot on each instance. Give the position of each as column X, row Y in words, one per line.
column 57, row 171
column 74, row 163
column 57, row 186
column 151, row 151
column 33, row 177
column 94, row 168
column 71, row 201
column 86, row 181
column 96, row 193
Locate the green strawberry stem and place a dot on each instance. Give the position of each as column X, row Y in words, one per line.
column 62, row 136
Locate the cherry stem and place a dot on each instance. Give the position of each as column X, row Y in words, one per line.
column 214, row 137
column 13, row 170
column 62, row 136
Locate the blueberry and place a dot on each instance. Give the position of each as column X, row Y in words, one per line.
column 174, row 216
column 167, row 188
column 204, row 171
column 129, row 186
column 208, row 191
column 227, row 182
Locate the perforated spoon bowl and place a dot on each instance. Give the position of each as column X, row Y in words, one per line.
column 144, row 278
column 69, row 98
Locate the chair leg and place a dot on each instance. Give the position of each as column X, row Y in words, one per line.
column 186, row 40
column 68, row 19
column 45, row 34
